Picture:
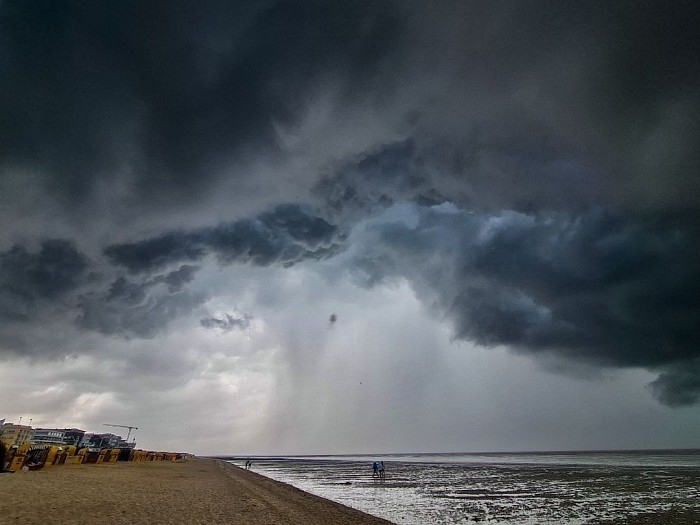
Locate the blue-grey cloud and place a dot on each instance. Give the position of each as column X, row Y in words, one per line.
column 139, row 307
column 228, row 322
column 31, row 279
column 285, row 236
column 596, row 287
column 375, row 180
column 167, row 91
column 679, row 384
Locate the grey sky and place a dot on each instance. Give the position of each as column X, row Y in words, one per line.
column 497, row 201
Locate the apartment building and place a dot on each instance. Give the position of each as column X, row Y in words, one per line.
column 12, row 434
column 48, row 436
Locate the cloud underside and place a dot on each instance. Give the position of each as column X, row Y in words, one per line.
column 227, row 322
column 530, row 171
column 593, row 287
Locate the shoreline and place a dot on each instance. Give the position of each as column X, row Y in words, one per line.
column 196, row 491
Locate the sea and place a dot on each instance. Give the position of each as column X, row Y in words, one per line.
column 595, row 488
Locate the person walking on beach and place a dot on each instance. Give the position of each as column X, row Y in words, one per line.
column 381, row 470
column 375, row 469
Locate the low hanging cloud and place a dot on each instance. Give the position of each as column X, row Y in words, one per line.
column 227, row 322
column 32, row 280
column 56, row 277
column 288, row 234
column 367, row 184
column 38, row 288
column 140, row 308
column 679, row 384
column 595, row 287
column 56, row 283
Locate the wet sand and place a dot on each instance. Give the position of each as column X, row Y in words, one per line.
column 199, row 491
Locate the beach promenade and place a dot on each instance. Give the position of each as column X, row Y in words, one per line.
column 198, row 491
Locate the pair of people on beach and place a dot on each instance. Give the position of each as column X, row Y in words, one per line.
column 378, row 469
column 248, row 464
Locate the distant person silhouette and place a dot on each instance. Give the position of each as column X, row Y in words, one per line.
column 381, row 470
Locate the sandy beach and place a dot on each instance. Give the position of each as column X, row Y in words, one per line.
column 197, row 491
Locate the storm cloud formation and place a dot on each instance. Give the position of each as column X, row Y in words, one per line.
column 139, row 308
column 228, row 322
column 167, row 93
column 285, row 236
column 37, row 285
column 527, row 169
column 594, row 287
column 30, row 279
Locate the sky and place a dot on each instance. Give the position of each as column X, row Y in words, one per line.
column 312, row 227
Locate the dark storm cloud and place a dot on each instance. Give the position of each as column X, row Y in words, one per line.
column 32, row 279
column 57, row 285
column 375, row 180
column 139, row 308
column 597, row 287
column 561, row 106
column 178, row 278
column 549, row 109
column 287, row 235
column 56, row 276
column 168, row 91
column 517, row 104
column 228, row 322
column 679, row 385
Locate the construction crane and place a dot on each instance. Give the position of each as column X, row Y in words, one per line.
column 123, row 426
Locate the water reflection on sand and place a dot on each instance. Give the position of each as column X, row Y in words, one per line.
column 592, row 488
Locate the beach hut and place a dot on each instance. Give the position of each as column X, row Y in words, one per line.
column 101, row 456
column 16, row 457
column 17, row 462
column 36, row 456
column 52, row 455
column 125, row 454
column 68, row 454
column 91, row 455
column 113, row 455
column 79, row 456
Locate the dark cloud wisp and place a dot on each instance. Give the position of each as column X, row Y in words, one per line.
column 30, row 280
column 228, row 322
column 139, row 308
column 286, row 235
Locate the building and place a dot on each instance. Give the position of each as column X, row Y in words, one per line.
column 86, row 440
column 12, row 434
column 73, row 436
column 48, row 436
column 109, row 440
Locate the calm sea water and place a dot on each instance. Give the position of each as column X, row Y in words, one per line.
column 522, row 488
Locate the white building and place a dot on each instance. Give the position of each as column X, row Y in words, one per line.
column 48, row 436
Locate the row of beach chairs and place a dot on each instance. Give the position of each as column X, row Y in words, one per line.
column 34, row 457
